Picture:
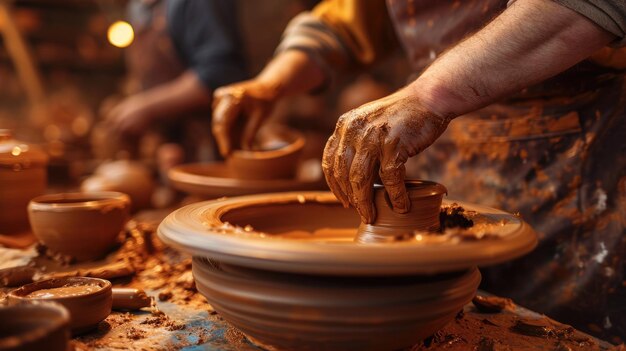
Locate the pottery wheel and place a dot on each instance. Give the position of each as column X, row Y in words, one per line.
column 213, row 180
column 311, row 233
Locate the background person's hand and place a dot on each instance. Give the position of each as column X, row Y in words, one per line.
column 239, row 110
column 378, row 137
column 130, row 116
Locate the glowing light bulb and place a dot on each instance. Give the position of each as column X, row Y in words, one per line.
column 120, row 34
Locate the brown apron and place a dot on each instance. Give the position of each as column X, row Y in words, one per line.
column 555, row 153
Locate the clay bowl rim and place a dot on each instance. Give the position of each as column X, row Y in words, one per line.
column 419, row 184
column 262, row 155
column 188, row 229
column 21, row 292
column 185, row 176
column 40, row 331
column 90, row 201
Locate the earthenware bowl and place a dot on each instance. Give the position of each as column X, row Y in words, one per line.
column 282, row 311
column 83, row 226
column 214, row 180
column 22, row 177
column 86, row 309
column 34, row 326
column 276, row 156
column 425, row 197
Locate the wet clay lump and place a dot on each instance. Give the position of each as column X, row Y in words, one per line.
column 64, row 291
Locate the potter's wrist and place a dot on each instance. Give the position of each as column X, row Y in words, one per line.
column 273, row 88
column 436, row 98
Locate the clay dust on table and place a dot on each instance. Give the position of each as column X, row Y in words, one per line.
column 497, row 324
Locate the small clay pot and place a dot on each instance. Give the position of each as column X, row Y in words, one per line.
column 276, row 156
column 128, row 177
column 86, row 310
column 34, row 326
column 83, row 226
column 22, row 177
column 425, row 197
column 282, row 311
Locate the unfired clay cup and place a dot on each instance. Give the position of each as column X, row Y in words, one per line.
column 425, row 197
column 34, row 326
column 86, row 310
column 83, row 226
column 269, row 162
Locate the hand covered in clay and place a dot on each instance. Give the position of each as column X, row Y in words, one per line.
column 239, row 110
column 378, row 137
column 129, row 117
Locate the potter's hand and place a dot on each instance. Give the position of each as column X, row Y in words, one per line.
column 129, row 116
column 238, row 112
column 378, row 136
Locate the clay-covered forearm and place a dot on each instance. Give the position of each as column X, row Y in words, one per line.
column 292, row 72
column 184, row 94
column 529, row 42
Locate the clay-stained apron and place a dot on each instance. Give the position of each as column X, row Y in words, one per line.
column 554, row 153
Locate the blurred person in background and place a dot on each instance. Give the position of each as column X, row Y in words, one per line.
column 183, row 51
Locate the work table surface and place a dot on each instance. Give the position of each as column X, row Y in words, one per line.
column 183, row 320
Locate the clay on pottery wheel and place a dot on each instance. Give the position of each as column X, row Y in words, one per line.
column 275, row 156
column 88, row 300
column 22, row 177
column 214, row 180
column 425, row 197
column 282, row 311
column 128, row 177
column 32, row 326
column 80, row 225
column 311, row 233
column 285, row 269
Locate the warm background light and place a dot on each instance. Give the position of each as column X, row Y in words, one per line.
column 120, row 34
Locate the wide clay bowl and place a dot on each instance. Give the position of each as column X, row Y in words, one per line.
column 283, row 311
column 425, row 197
column 88, row 300
column 214, row 180
column 83, row 226
column 275, row 157
column 311, row 233
column 34, row 326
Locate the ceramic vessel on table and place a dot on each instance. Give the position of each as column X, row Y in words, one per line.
column 22, row 177
column 124, row 176
column 86, row 309
column 275, row 157
column 32, row 326
column 84, row 226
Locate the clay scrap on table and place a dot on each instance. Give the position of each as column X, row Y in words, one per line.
column 44, row 264
column 493, row 323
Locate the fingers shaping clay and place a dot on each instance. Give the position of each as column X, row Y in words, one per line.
column 425, row 197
